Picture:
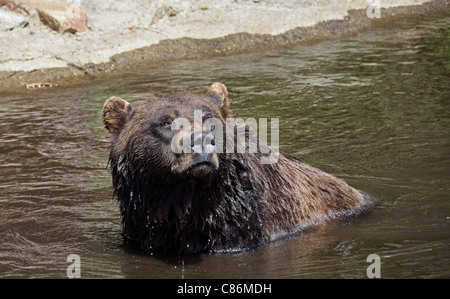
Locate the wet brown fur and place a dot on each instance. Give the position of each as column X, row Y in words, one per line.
column 242, row 204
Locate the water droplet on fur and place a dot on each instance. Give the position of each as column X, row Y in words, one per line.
column 187, row 245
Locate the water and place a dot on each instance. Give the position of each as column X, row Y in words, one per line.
column 373, row 109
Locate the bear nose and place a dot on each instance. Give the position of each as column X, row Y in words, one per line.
column 203, row 142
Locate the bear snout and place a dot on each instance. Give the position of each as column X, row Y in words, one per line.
column 199, row 158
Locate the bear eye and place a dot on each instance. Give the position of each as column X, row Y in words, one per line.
column 208, row 122
column 166, row 123
column 208, row 116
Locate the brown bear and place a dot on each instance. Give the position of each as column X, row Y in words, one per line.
column 209, row 200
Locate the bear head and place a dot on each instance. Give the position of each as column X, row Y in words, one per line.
column 173, row 137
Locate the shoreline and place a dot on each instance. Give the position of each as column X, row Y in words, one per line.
column 165, row 50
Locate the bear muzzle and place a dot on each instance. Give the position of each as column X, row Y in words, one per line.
column 201, row 158
column 203, row 153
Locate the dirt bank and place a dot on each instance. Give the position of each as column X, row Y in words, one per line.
column 128, row 34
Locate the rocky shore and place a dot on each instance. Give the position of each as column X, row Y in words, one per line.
column 62, row 42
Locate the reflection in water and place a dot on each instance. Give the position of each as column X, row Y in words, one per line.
column 373, row 110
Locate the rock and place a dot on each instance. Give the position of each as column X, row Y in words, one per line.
column 10, row 20
column 59, row 16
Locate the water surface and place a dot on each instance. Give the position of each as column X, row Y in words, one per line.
column 373, row 109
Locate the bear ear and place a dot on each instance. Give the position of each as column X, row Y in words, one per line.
column 218, row 95
column 115, row 114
